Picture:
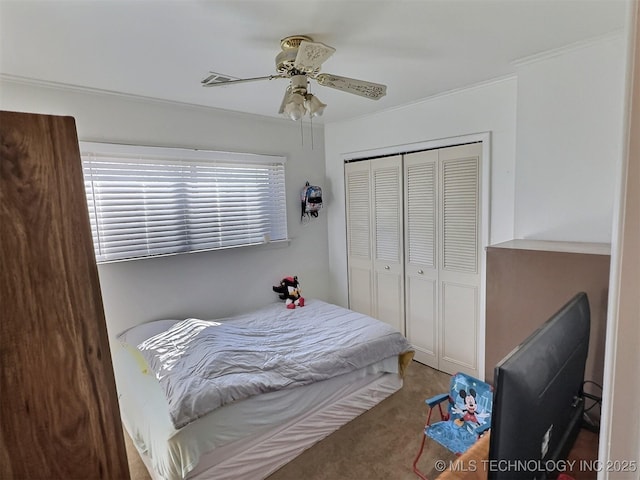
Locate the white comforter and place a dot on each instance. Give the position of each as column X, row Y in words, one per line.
column 202, row 365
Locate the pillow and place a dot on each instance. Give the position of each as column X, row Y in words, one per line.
column 137, row 356
column 134, row 336
column 138, row 334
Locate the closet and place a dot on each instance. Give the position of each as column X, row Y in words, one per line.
column 413, row 248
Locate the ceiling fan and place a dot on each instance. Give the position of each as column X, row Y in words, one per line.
column 300, row 60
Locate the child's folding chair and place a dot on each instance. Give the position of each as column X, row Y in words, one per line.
column 468, row 416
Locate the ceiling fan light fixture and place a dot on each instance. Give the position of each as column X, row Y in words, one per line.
column 314, row 106
column 294, row 106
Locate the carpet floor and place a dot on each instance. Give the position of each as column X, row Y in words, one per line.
column 380, row 444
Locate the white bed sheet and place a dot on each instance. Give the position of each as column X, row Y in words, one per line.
column 223, row 435
column 258, row 456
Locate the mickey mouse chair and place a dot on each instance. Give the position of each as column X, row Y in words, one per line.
column 468, row 416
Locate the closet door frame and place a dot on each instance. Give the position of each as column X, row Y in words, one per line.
column 484, row 198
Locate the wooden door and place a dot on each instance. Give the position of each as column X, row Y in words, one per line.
column 60, row 416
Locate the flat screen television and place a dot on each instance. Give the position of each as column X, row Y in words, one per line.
column 538, row 402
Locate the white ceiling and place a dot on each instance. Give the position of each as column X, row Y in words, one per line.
column 162, row 49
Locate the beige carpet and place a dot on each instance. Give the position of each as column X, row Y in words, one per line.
column 379, row 444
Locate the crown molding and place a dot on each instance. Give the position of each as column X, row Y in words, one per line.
column 571, row 47
column 435, row 96
column 35, row 82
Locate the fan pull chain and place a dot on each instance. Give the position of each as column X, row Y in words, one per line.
column 301, row 134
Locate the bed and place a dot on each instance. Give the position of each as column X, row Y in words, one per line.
column 336, row 364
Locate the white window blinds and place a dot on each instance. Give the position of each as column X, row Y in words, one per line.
column 146, row 201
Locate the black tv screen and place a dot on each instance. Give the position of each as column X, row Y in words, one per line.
column 538, row 404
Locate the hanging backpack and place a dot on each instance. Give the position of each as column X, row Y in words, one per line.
column 311, row 200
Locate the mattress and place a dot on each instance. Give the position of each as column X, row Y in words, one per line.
column 174, row 454
column 202, row 365
column 245, row 439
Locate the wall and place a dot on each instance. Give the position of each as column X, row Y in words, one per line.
column 527, row 283
column 485, row 108
column 620, row 432
column 208, row 284
column 570, row 111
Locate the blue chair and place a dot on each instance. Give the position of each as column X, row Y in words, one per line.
column 468, row 416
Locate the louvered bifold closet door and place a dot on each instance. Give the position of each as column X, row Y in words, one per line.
column 459, row 257
column 421, row 254
column 359, row 244
column 388, row 261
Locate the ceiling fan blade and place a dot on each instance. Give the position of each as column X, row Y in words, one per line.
column 311, row 55
column 374, row 91
column 208, row 82
column 284, row 99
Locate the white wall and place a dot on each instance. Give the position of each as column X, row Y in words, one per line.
column 568, row 147
column 620, row 432
column 485, row 108
column 206, row 284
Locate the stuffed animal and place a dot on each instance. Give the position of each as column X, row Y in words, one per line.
column 289, row 290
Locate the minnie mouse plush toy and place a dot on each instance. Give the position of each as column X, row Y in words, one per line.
column 290, row 292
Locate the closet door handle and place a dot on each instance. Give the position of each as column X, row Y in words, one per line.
column 420, row 272
column 387, row 267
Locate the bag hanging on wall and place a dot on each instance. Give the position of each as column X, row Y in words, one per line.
column 311, row 200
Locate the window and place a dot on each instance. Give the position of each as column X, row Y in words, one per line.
column 146, row 201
